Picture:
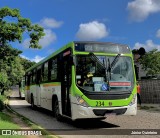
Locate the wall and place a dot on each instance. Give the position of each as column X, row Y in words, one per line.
column 150, row 91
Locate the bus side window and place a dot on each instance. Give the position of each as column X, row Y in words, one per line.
column 28, row 80
column 46, row 71
column 31, row 79
column 53, row 69
column 25, row 80
column 34, row 77
column 38, row 75
column 42, row 73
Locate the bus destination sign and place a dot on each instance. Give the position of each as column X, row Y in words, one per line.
column 104, row 47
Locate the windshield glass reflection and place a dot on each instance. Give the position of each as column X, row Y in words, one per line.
column 93, row 74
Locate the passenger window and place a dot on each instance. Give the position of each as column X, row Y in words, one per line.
column 54, row 69
column 34, row 77
column 46, row 71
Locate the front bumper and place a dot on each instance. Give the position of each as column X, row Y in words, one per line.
column 81, row 112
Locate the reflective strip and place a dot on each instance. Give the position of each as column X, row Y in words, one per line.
column 47, row 85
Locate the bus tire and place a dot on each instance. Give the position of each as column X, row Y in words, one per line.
column 56, row 111
column 32, row 103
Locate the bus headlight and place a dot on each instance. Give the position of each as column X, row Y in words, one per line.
column 133, row 101
column 81, row 101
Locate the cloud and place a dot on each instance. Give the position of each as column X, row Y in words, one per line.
column 139, row 10
column 35, row 59
column 26, row 43
column 92, row 31
column 50, row 37
column 149, row 45
column 50, row 23
column 158, row 33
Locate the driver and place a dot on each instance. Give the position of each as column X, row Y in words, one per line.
column 88, row 79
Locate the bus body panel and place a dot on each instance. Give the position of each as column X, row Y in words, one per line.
column 44, row 93
column 48, row 90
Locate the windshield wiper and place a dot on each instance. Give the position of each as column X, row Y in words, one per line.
column 108, row 74
column 110, row 67
column 95, row 59
column 115, row 60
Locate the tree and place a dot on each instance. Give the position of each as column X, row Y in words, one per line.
column 151, row 62
column 135, row 51
column 11, row 68
column 141, row 51
column 13, row 31
column 3, row 81
column 26, row 63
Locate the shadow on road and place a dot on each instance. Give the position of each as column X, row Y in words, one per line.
column 14, row 98
column 92, row 124
column 81, row 124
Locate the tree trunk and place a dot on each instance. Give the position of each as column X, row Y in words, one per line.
column 2, row 92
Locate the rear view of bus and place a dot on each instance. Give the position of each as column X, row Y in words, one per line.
column 103, row 80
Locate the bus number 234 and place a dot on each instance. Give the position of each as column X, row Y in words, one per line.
column 99, row 103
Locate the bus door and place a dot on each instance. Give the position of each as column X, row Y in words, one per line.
column 65, row 84
column 38, row 87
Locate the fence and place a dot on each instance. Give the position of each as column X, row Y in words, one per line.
column 150, row 91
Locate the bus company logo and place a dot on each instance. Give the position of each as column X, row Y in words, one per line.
column 6, row 132
column 110, row 103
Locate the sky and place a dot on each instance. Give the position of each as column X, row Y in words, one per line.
column 132, row 22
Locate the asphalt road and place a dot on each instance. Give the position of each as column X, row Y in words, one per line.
column 89, row 128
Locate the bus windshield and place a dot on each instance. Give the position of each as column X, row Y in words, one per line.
column 96, row 74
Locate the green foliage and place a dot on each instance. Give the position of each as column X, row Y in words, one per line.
column 141, row 51
column 26, row 63
column 13, row 31
column 135, row 51
column 12, row 67
column 151, row 62
column 3, row 77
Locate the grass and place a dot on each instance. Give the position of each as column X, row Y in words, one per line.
column 6, row 123
column 34, row 126
column 6, row 120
